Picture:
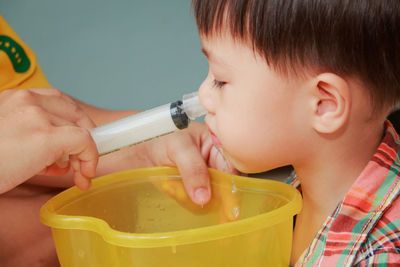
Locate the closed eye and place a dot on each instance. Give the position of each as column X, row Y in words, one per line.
column 218, row 84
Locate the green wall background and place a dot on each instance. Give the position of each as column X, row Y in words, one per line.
column 121, row 54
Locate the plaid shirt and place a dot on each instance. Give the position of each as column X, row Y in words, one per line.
column 364, row 229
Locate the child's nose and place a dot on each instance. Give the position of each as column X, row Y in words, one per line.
column 205, row 96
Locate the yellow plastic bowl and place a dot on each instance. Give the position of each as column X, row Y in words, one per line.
column 144, row 218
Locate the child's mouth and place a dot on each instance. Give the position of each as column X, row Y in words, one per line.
column 215, row 139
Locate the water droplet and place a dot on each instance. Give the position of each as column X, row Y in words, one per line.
column 235, row 212
column 227, row 166
column 81, row 253
column 234, row 188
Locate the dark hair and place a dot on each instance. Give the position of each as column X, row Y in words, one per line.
column 352, row 38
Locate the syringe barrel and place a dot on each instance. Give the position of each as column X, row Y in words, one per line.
column 133, row 129
column 146, row 125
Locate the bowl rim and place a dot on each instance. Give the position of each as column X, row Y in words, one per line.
column 49, row 217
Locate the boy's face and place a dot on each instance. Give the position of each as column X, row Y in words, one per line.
column 254, row 114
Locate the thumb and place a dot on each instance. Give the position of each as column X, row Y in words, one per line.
column 193, row 168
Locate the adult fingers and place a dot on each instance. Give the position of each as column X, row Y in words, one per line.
column 81, row 181
column 78, row 144
column 54, row 170
column 57, row 121
column 51, row 92
column 192, row 166
column 62, row 105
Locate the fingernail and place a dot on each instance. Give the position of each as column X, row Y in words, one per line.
column 201, row 195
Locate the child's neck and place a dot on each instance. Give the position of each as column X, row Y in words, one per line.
column 327, row 177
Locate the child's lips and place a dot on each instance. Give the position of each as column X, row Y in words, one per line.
column 215, row 140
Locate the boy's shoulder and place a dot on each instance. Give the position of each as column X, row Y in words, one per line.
column 383, row 242
column 364, row 229
column 382, row 239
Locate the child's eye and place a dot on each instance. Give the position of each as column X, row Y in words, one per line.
column 218, row 84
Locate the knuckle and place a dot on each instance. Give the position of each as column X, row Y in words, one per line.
column 47, row 91
column 37, row 118
column 22, row 94
column 43, row 133
column 77, row 112
column 84, row 134
column 33, row 111
column 56, row 92
column 199, row 170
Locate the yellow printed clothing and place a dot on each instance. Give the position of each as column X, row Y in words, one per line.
column 18, row 66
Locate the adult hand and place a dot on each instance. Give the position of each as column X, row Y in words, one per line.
column 42, row 131
column 192, row 151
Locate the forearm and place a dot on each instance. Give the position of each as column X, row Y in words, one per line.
column 101, row 116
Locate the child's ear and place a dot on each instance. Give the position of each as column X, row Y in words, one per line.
column 331, row 103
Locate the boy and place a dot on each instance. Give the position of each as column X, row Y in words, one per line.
column 310, row 83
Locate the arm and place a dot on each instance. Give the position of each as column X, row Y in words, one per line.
column 101, row 116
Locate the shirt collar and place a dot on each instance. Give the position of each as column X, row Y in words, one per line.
column 371, row 194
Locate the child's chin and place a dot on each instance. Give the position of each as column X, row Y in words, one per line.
column 241, row 168
column 247, row 169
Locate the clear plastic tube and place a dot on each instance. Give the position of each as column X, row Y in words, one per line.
column 147, row 125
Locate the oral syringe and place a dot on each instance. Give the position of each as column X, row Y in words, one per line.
column 148, row 124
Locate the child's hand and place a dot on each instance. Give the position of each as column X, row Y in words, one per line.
column 43, row 131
